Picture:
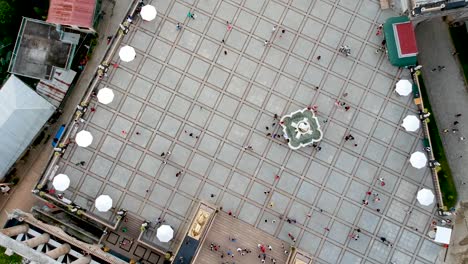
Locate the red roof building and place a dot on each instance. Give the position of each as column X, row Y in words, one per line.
column 406, row 39
column 78, row 14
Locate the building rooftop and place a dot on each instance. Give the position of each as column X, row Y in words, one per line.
column 72, row 12
column 24, row 113
column 39, row 50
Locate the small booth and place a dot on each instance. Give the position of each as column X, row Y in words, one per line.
column 400, row 41
column 443, row 235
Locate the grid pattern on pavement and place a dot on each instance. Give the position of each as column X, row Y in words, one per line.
column 181, row 82
column 245, row 237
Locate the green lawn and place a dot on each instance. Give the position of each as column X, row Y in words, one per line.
column 460, row 41
column 447, row 185
column 4, row 259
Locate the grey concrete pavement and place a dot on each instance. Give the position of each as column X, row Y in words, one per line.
column 226, row 94
column 447, row 94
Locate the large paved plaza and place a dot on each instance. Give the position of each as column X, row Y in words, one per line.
column 185, row 95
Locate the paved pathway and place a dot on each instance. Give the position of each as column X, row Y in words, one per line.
column 188, row 81
column 448, row 95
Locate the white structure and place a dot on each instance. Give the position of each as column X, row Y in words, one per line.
column 301, row 128
column 165, row 233
column 418, row 160
column 23, row 113
column 103, row 203
column 425, row 197
column 127, row 53
column 61, row 182
column 84, row 138
column 443, row 235
column 148, row 12
column 403, row 87
column 411, row 123
column 105, row 95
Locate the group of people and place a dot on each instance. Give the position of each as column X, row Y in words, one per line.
column 343, row 105
column 228, row 253
column 345, row 50
column 383, row 44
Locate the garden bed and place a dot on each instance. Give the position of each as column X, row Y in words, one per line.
column 5, row 259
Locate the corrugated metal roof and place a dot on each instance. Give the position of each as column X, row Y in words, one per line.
column 54, row 90
column 72, row 12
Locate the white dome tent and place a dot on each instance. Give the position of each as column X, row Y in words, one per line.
column 105, row 96
column 84, row 138
column 103, row 203
column 61, row 182
column 411, row 123
column 148, row 12
column 418, row 160
column 403, row 87
column 425, row 197
column 165, row 233
column 127, row 53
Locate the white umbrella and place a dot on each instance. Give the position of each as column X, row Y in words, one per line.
column 61, row 182
column 418, row 160
column 165, row 233
column 403, row 87
column 411, row 123
column 127, row 53
column 148, row 12
column 103, row 203
column 84, row 138
column 105, row 95
column 425, row 197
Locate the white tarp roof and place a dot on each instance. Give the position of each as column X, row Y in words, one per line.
column 22, row 114
column 443, row 235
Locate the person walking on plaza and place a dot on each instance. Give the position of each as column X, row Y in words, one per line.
column 282, row 33
column 191, row 15
column 379, row 30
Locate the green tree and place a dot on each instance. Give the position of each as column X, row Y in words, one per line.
column 6, row 12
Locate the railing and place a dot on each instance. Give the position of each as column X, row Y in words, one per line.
column 49, row 198
column 435, row 177
column 59, row 233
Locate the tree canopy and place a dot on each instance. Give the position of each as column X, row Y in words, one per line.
column 6, row 12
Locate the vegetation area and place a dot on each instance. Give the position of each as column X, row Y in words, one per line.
column 11, row 14
column 5, row 259
column 447, row 185
column 460, row 41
